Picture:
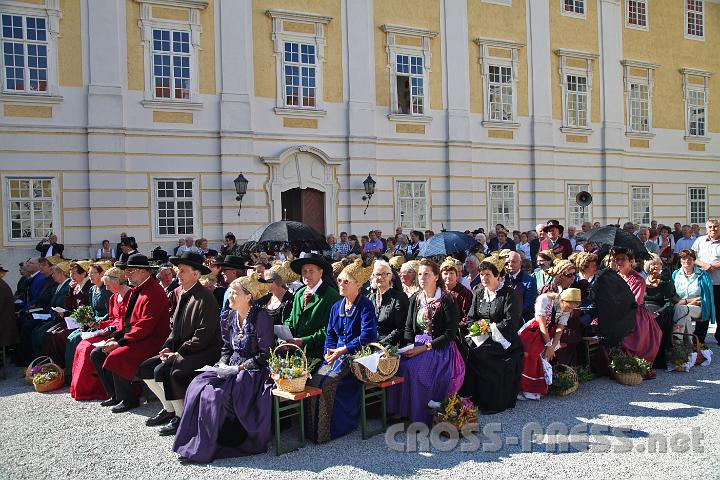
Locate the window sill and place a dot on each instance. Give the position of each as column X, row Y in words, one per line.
column 640, row 135
column 300, row 112
column 577, row 130
column 407, row 118
column 637, row 27
column 694, row 139
column 493, row 124
column 172, row 105
column 580, row 16
column 695, row 37
column 30, row 98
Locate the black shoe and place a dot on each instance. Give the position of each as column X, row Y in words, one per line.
column 162, row 417
column 124, row 406
column 170, row 428
column 110, row 402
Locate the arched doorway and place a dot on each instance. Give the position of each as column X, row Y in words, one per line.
column 303, row 187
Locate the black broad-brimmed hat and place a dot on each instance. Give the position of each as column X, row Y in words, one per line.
column 232, row 261
column 137, row 260
column 553, row 224
column 159, row 255
column 312, row 259
column 191, row 259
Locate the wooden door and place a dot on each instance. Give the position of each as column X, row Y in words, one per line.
column 313, row 209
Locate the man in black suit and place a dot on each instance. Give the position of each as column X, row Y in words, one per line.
column 51, row 248
column 118, row 247
column 535, row 244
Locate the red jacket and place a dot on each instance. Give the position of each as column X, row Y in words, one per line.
column 149, row 328
column 562, row 249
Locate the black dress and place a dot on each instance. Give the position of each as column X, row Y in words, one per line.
column 661, row 301
column 492, row 373
column 282, row 312
column 391, row 312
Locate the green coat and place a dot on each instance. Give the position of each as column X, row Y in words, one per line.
column 310, row 324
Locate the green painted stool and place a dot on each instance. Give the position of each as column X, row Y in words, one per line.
column 293, row 408
column 592, row 345
column 374, row 394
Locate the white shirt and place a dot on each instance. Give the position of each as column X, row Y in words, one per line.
column 543, row 308
column 708, row 251
column 49, row 252
column 684, row 244
column 185, row 248
column 315, row 288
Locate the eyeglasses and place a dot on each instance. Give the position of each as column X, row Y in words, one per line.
column 343, row 281
column 569, row 275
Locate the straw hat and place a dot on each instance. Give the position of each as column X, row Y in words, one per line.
column 252, row 284
column 286, row 273
column 358, row 271
column 559, row 266
column 64, row 267
column 337, row 267
column 496, row 260
column 571, row 295
column 451, row 262
column 55, row 259
column 581, row 259
column 116, row 273
column 547, row 253
column 105, row 265
column 480, row 256
column 84, row 264
column 414, row 264
column 396, row 261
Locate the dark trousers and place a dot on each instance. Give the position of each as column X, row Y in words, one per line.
column 175, row 374
column 701, row 328
column 115, row 386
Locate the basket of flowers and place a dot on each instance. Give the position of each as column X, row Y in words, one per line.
column 387, row 363
column 478, row 332
column 49, row 377
column 84, row 315
column 628, row 370
column 680, row 356
column 34, row 368
column 457, row 411
column 565, row 380
column 289, row 372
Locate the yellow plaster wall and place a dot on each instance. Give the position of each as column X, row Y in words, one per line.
column 206, row 63
column 488, row 20
column 70, row 45
column 574, row 33
column 665, row 44
column 410, row 13
column 135, row 55
column 263, row 55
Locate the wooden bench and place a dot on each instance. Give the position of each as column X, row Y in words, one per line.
column 294, row 408
column 375, row 394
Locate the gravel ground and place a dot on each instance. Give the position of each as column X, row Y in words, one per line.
column 51, row 436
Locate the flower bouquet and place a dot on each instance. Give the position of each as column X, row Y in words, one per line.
column 84, row 315
column 628, row 370
column 478, row 332
column 48, row 377
column 681, row 357
column 456, row 410
column 290, row 372
column 565, row 380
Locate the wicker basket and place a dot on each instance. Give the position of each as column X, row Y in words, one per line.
column 35, row 363
column 628, row 378
column 562, row 368
column 698, row 348
column 54, row 384
column 386, row 369
column 292, row 385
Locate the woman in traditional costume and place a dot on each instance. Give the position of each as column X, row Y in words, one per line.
column 351, row 326
column 409, row 277
column 661, row 300
column 391, row 304
column 61, row 275
column 278, row 301
column 451, row 272
column 545, row 261
column 433, row 369
column 227, row 413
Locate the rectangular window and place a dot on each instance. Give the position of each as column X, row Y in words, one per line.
column 412, row 198
column 696, row 105
column 175, row 208
column 30, row 206
column 299, row 62
column 409, row 77
column 694, row 14
column 637, row 13
column 500, row 89
column 574, row 6
column 577, row 215
column 639, row 108
column 697, row 201
column 25, row 58
column 171, row 64
column 640, row 205
column 577, row 101
column 502, row 204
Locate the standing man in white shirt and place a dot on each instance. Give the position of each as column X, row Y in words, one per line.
column 707, row 248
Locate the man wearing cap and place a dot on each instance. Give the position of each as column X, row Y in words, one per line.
column 561, row 247
column 311, row 306
column 194, row 342
column 145, row 326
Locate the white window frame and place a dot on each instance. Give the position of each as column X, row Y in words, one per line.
column 147, row 24
column 55, row 197
column 574, row 14
column 486, row 60
column 691, row 87
column 317, row 39
column 51, row 13
column 505, row 3
column 587, row 72
column 491, row 218
column 702, row 17
column 647, row 80
column 393, row 50
column 645, row 27
column 573, row 206
column 157, row 236
column 400, row 215
column 631, row 193
column 704, row 189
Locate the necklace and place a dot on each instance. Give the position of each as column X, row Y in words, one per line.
column 241, row 320
column 348, row 312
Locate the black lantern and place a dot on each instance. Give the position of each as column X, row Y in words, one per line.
column 241, row 184
column 369, row 185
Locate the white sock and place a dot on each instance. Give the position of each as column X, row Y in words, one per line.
column 178, row 406
column 159, row 392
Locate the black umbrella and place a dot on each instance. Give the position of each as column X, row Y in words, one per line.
column 285, row 234
column 615, row 305
column 613, row 236
column 447, row 243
